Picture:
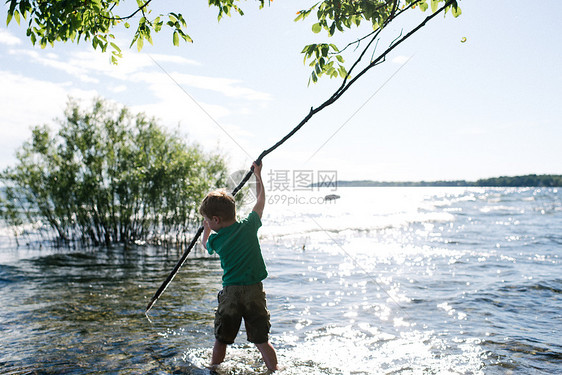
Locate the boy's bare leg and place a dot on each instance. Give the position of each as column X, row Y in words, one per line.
column 219, row 352
column 269, row 355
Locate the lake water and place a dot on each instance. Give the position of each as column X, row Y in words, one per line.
column 380, row 281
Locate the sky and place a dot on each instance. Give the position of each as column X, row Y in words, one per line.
column 464, row 98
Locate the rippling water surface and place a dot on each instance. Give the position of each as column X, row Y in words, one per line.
column 380, row 281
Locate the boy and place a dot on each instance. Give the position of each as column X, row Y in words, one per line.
column 236, row 243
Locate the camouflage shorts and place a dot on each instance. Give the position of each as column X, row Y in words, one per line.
column 237, row 302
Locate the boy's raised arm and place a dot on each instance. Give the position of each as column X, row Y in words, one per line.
column 206, row 233
column 260, row 191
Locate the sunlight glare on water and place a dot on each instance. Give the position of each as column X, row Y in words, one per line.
column 381, row 281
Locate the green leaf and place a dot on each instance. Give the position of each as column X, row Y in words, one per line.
column 157, row 24
column 456, row 11
column 187, row 38
column 140, row 44
column 434, row 5
column 182, row 20
column 115, row 47
column 176, row 39
column 316, row 28
column 342, row 71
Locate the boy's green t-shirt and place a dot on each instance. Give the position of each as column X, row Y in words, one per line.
column 239, row 250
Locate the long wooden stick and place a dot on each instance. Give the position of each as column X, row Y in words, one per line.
column 341, row 90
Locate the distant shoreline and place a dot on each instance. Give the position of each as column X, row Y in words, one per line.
column 531, row 180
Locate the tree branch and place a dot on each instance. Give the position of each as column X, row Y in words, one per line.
column 140, row 9
column 339, row 92
column 345, row 85
column 378, row 30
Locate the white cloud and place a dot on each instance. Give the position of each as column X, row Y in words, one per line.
column 88, row 66
column 93, row 67
column 229, row 87
column 206, row 126
column 137, row 81
column 52, row 60
column 118, row 89
column 28, row 102
column 472, row 131
column 206, row 122
column 95, row 62
column 226, row 86
column 174, row 59
column 8, row 39
column 400, row 59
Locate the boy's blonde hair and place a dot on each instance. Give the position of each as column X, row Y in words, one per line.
column 218, row 203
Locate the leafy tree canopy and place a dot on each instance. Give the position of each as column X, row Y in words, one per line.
column 109, row 176
column 49, row 22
